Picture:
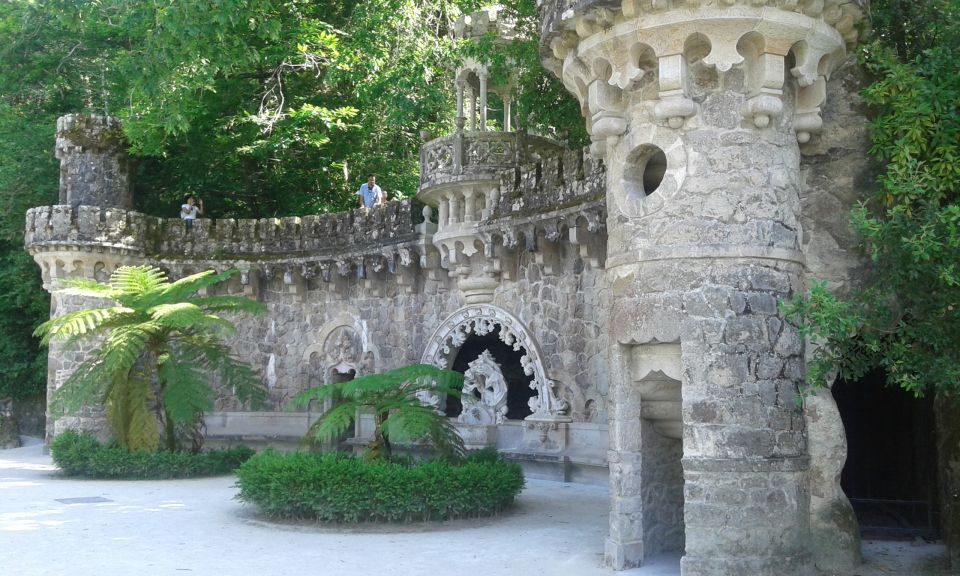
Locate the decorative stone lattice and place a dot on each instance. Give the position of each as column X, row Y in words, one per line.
column 484, row 377
column 482, row 319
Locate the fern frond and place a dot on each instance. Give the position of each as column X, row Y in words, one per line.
column 87, row 287
column 78, row 323
column 135, row 280
column 333, row 423
column 185, row 391
column 87, row 384
column 229, row 304
column 206, row 352
column 188, row 316
column 420, row 423
column 183, row 288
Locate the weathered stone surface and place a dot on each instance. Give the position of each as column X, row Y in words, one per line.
column 94, row 170
column 639, row 290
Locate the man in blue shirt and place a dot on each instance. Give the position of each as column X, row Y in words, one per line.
column 370, row 194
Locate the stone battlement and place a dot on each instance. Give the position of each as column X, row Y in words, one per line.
column 554, row 182
column 60, row 226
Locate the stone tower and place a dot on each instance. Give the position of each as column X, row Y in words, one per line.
column 87, row 235
column 699, row 111
column 94, row 169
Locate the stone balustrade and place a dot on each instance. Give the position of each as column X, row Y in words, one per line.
column 475, row 156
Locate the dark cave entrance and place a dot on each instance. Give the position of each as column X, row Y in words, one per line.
column 891, row 472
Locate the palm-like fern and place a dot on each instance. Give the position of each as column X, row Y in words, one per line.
column 158, row 346
column 397, row 400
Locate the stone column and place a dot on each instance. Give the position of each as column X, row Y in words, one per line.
column 459, row 89
column 483, row 99
column 453, row 208
column 698, row 120
column 473, row 110
column 507, row 121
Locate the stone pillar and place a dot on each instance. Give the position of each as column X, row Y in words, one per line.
column 507, row 121
column 459, row 89
column 469, row 205
column 94, row 168
column 453, row 208
column 698, row 121
column 473, row 110
column 483, row 99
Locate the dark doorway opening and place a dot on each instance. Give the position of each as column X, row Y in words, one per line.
column 891, row 472
column 518, row 384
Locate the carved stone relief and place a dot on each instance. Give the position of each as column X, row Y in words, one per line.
column 484, row 378
column 482, row 319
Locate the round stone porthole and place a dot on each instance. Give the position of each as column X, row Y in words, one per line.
column 644, row 171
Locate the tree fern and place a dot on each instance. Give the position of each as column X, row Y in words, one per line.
column 159, row 346
column 399, row 413
column 128, row 411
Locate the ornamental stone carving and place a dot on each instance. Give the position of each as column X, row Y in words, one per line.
column 482, row 319
column 484, row 378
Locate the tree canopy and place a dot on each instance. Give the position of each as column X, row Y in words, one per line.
column 261, row 107
column 280, row 107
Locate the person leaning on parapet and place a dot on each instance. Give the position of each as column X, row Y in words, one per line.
column 370, row 194
column 189, row 211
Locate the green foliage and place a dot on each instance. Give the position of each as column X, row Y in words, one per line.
column 157, row 347
column 81, row 455
column 337, row 488
column 261, row 107
column 541, row 102
column 394, row 397
column 907, row 320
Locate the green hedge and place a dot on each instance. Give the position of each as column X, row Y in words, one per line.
column 82, row 455
column 335, row 487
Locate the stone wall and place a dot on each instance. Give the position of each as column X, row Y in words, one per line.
column 327, row 235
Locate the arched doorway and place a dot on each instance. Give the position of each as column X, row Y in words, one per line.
column 891, row 472
column 482, row 320
column 509, row 360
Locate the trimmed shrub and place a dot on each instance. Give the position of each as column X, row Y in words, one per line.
column 334, row 487
column 81, row 455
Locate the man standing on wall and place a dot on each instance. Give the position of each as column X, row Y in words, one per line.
column 370, row 194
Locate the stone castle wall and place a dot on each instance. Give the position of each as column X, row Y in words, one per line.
column 641, row 280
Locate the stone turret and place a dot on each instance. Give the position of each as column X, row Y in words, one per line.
column 94, row 168
column 699, row 111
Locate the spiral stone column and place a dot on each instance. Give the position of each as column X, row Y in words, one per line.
column 699, row 110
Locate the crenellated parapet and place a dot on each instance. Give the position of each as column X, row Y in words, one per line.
column 68, row 240
column 612, row 55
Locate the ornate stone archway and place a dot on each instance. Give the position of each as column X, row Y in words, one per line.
column 482, row 319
